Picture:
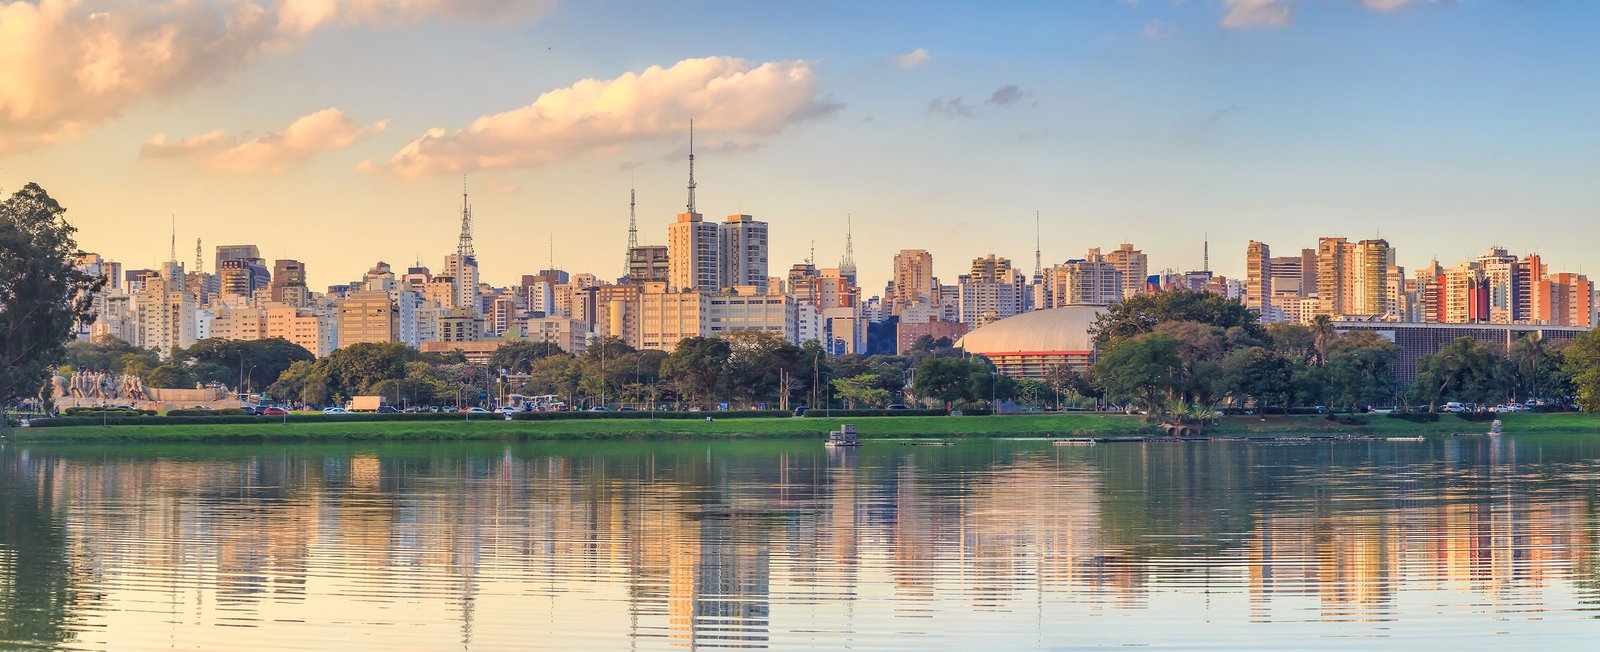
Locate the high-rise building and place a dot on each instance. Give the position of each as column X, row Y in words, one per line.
column 693, row 254
column 991, row 292
column 1133, row 265
column 648, row 263
column 241, row 277
column 1333, row 275
column 1464, row 295
column 1564, row 299
column 742, row 252
column 1529, row 273
column 913, row 280
column 1295, row 275
column 1089, row 281
column 1369, row 278
column 235, row 252
column 462, row 266
column 1499, row 269
column 1258, row 280
column 288, row 283
column 368, row 316
column 163, row 313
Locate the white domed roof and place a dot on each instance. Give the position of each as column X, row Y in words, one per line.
column 1054, row 330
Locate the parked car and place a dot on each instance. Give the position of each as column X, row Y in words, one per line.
column 508, row 410
column 388, row 410
column 896, row 406
column 627, row 409
column 336, row 410
column 274, row 412
column 599, row 408
column 476, row 410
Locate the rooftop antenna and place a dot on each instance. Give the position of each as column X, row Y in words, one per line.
column 464, row 245
column 1038, row 257
column 1205, row 260
column 691, row 165
column 811, row 259
column 173, row 254
column 633, row 223
column 198, row 262
column 552, row 250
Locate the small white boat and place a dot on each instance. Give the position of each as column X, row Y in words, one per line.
column 844, row 436
column 1494, row 428
column 1075, row 442
column 1406, row 439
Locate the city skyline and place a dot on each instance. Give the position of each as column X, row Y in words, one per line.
column 1148, row 123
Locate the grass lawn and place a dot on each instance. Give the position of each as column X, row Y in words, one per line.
column 870, row 427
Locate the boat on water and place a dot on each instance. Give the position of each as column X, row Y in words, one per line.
column 845, row 436
column 1075, row 442
column 1405, row 439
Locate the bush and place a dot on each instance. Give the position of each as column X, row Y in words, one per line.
column 1480, row 417
column 226, row 412
column 1415, row 417
column 112, row 411
column 877, row 413
column 731, row 414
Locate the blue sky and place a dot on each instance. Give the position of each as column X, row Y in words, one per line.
column 1445, row 127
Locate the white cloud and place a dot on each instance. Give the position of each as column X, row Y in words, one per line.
column 912, row 59
column 601, row 117
column 1385, row 5
column 68, row 65
column 1257, row 14
column 322, row 131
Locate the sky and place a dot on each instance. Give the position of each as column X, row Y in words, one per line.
column 338, row 132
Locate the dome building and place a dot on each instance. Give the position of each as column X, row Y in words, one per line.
column 1029, row 345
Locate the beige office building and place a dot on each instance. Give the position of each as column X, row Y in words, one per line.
column 368, row 316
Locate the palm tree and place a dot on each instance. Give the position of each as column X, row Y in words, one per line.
column 1322, row 331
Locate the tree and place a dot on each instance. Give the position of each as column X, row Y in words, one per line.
column 170, row 376
column 1144, row 370
column 42, row 295
column 108, row 353
column 1464, row 370
column 1294, row 341
column 1140, row 314
column 860, row 390
column 696, row 367
column 354, row 369
column 1581, row 361
column 1360, row 369
column 945, row 380
column 258, row 363
column 1257, row 374
column 518, row 356
column 1536, row 368
column 756, row 364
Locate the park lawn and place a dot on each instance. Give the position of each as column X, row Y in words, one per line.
column 498, row 429
column 1046, row 425
column 1379, row 425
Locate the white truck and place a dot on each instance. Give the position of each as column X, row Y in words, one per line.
column 366, row 403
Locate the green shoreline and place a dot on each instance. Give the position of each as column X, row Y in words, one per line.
column 1063, row 425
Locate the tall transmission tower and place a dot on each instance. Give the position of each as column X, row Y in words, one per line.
column 464, row 244
column 199, row 263
column 691, row 166
column 1038, row 249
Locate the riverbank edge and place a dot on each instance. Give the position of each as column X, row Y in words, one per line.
column 1062, row 425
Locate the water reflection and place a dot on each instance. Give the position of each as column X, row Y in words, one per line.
column 782, row 544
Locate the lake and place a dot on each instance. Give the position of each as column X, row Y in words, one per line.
column 1464, row 543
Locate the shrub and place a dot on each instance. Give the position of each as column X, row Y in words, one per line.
column 111, row 411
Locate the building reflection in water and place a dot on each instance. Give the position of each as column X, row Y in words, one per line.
column 701, row 545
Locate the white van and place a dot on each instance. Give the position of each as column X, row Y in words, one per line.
column 1455, row 406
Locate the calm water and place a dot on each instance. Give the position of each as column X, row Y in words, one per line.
column 986, row 545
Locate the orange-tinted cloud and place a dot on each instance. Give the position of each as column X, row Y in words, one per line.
column 323, row 131
column 68, row 65
column 601, row 117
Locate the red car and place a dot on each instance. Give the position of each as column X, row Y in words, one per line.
column 274, row 412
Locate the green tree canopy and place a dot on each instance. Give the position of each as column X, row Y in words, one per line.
column 1465, row 370
column 1581, row 362
column 42, row 294
column 1144, row 370
column 1140, row 314
column 696, row 367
